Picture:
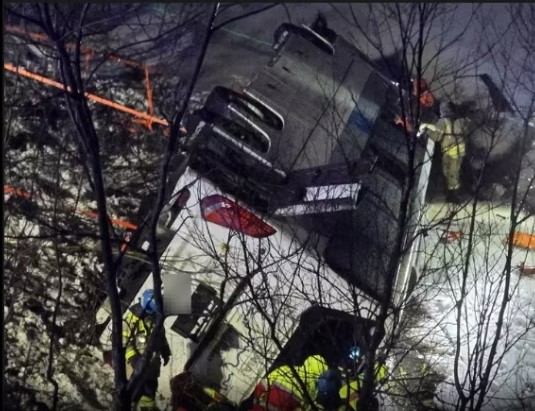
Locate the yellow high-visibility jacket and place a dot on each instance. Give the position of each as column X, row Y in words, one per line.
column 309, row 373
column 451, row 134
column 137, row 328
column 352, row 388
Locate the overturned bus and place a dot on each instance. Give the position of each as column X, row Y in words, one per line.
column 286, row 218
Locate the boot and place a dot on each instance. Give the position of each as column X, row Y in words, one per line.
column 147, row 403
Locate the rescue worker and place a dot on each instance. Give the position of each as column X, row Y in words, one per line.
column 281, row 391
column 450, row 132
column 138, row 327
column 354, row 379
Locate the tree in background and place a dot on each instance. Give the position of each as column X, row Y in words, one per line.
column 429, row 43
column 77, row 46
column 270, row 293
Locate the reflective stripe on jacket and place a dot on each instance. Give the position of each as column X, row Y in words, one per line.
column 458, row 150
column 353, row 387
column 136, row 332
column 137, row 328
column 451, row 134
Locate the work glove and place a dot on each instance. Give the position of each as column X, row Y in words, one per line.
column 421, row 130
column 165, row 352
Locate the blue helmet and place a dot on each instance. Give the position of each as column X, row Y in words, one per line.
column 148, row 303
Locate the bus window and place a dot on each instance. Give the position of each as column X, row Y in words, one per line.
column 360, row 123
column 325, row 331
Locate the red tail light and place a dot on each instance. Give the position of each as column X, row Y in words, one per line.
column 224, row 212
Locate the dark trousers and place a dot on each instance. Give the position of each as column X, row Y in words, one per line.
column 149, row 381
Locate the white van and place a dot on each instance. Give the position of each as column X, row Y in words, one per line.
column 285, row 217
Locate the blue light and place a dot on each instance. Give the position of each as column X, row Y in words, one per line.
column 354, row 353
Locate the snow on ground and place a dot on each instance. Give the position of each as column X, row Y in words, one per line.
column 40, row 133
column 32, row 265
column 515, row 374
column 32, row 290
column 73, row 367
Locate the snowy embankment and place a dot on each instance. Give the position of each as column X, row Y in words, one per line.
column 46, row 341
column 53, row 276
column 468, row 333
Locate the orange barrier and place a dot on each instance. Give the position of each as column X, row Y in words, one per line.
column 17, row 192
column 34, row 76
column 523, row 240
column 150, row 107
column 87, row 213
column 43, row 38
column 114, row 221
column 89, row 54
column 35, row 36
